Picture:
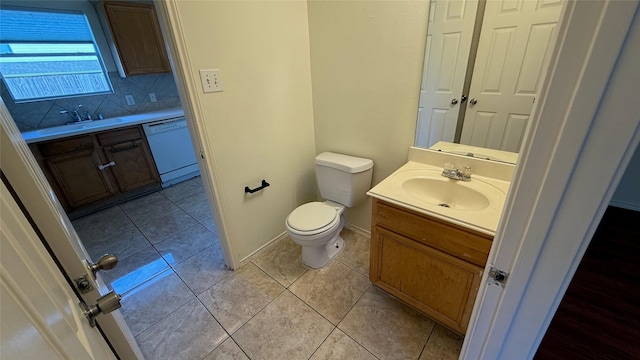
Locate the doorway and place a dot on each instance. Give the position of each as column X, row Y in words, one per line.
column 598, row 315
column 157, row 236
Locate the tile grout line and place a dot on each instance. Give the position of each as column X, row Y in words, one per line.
column 335, row 326
column 221, row 326
column 262, row 308
column 350, row 309
column 433, row 329
column 287, row 288
column 170, row 268
column 164, row 317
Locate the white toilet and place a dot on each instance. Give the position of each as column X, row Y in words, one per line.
column 343, row 181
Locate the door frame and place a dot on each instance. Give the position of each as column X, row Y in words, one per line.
column 581, row 140
column 187, row 84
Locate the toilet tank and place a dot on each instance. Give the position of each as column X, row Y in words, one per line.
column 342, row 178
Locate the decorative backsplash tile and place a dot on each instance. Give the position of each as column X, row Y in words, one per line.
column 43, row 114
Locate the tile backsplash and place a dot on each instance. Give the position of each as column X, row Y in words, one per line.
column 44, row 114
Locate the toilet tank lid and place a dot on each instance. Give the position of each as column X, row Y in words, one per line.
column 350, row 164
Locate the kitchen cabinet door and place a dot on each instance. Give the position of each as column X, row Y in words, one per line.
column 134, row 167
column 79, row 178
column 137, row 37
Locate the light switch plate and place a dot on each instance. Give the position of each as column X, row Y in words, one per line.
column 211, row 80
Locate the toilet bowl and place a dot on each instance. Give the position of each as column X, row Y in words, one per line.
column 316, row 227
column 343, row 181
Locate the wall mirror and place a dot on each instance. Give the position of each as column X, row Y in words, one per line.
column 483, row 67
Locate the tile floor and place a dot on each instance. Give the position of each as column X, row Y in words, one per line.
column 181, row 302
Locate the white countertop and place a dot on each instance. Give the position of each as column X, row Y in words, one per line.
column 495, row 188
column 86, row 127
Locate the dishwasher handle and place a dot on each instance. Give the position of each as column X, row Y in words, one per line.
column 164, row 126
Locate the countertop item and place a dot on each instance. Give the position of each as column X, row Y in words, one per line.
column 86, row 127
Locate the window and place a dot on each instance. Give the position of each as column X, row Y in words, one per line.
column 48, row 54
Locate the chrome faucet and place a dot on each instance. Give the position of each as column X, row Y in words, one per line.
column 75, row 114
column 455, row 174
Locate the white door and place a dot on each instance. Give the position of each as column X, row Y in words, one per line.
column 449, row 35
column 515, row 41
column 23, row 173
column 40, row 313
column 585, row 130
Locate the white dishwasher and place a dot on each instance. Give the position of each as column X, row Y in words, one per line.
column 172, row 150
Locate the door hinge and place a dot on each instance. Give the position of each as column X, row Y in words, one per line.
column 497, row 277
column 202, row 154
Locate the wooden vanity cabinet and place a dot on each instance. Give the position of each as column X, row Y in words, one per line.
column 431, row 265
column 136, row 33
column 81, row 172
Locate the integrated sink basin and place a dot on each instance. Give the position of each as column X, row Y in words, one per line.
column 446, row 193
column 476, row 204
column 430, row 187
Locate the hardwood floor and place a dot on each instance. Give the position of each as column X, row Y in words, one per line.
column 599, row 316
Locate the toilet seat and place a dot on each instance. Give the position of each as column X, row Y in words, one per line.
column 313, row 218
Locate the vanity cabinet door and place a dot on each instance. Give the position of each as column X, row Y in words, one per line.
column 438, row 284
column 72, row 166
column 134, row 166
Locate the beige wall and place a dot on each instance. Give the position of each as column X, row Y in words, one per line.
column 261, row 126
column 363, row 61
column 366, row 62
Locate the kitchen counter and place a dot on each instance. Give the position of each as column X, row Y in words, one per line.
column 86, row 127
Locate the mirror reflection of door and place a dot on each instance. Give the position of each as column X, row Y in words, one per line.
column 515, row 40
column 449, row 37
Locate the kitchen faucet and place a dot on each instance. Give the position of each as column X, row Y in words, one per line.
column 75, row 114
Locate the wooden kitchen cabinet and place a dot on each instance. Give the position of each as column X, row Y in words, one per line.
column 92, row 171
column 431, row 265
column 71, row 166
column 129, row 150
column 136, row 33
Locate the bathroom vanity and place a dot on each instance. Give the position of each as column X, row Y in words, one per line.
column 431, row 236
column 431, row 265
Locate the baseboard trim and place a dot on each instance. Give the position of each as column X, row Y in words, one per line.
column 264, row 247
column 358, row 229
